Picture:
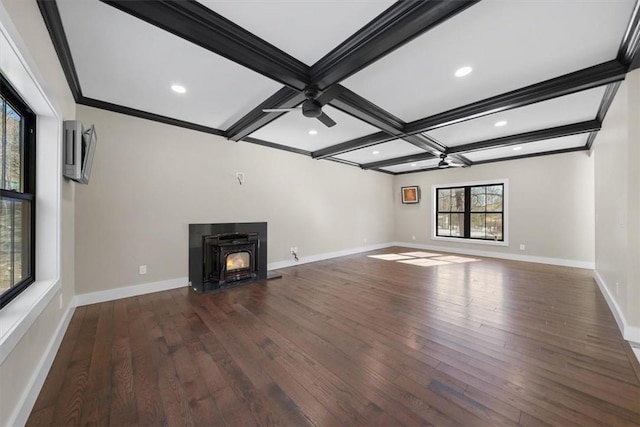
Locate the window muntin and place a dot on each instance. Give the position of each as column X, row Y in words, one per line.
column 470, row 212
column 17, row 191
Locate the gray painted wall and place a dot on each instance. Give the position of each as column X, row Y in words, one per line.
column 550, row 206
column 150, row 181
column 617, row 195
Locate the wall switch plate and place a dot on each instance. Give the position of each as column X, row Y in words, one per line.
column 142, row 269
column 522, row 247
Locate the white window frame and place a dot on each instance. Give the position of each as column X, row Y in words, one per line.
column 505, row 214
column 18, row 67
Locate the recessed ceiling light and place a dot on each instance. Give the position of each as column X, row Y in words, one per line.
column 414, row 164
column 517, row 148
column 313, row 132
column 178, row 88
column 500, row 123
column 463, row 71
column 376, row 152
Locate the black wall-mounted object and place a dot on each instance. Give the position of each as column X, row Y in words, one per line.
column 200, row 234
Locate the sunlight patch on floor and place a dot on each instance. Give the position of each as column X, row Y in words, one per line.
column 424, row 259
column 390, row 257
column 420, row 254
column 425, row 262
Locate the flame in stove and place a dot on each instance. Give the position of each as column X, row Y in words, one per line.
column 238, row 261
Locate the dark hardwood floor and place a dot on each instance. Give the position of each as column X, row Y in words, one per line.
column 352, row 341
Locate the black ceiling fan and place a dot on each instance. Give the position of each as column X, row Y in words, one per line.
column 444, row 163
column 312, row 107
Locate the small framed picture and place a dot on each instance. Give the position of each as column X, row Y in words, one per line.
column 411, row 194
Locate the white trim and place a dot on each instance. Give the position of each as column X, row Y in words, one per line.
column 17, row 317
column 505, row 212
column 19, row 68
column 28, row 398
column 327, row 255
column 503, row 255
column 129, row 291
column 629, row 333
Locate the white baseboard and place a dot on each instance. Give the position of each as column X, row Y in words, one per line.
column 327, row 255
column 28, row 399
column 129, row 291
column 502, row 255
column 629, row 333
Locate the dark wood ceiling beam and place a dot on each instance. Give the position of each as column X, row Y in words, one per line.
column 95, row 103
column 354, row 144
column 51, row 16
column 527, row 156
column 629, row 51
column 527, row 137
column 355, row 105
column 607, row 99
column 200, row 25
column 277, row 146
column 397, row 25
column 398, row 161
column 256, row 118
column 588, row 78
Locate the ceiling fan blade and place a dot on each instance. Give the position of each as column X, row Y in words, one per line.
column 280, row 110
column 326, row 120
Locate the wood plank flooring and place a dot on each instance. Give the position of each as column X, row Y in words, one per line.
column 352, row 341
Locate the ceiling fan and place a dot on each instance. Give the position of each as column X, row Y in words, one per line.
column 312, row 107
column 444, row 163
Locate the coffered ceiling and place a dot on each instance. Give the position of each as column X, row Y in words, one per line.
column 543, row 73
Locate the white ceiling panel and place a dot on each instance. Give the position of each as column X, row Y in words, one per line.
column 509, row 44
column 575, row 108
column 305, row 29
column 292, row 129
column 387, row 150
column 530, row 148
column 125, row 61
column 406, row 167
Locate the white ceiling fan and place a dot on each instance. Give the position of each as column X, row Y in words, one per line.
column 444, row 163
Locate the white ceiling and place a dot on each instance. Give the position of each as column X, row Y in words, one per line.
column 422, row 164
column 529, row 148
column 510, row 44
column 578, row 107
column 125, row 61
column 387, row 150
column 292, row 129
column 305, row 29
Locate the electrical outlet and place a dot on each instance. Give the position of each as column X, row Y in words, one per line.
column 522, row 247
column 142, row 269
column 240, row 177
column 413, row 237
column 294, row 250
column 364, row 240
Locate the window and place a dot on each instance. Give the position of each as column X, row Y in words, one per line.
column 17, row 194
column 474, row 211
